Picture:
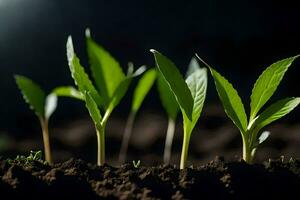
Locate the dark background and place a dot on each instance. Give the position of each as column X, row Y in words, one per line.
column 239, row 38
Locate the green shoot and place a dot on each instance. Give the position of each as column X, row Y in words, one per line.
column 171, row 106
column 68, row 91
column 143, row 87
column 136, row 164
column 111, row 85
column 43, row 105
column 190, row 95
column 263, row 89
column 34, row 156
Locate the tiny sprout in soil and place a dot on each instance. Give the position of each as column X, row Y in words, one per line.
column 34, row 156
column 263, row 89
column 136, row 164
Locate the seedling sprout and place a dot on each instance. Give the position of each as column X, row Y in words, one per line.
column 111, row 86
column 263, row 89
column 136, row 164
column 43, row 106
column 190, row 95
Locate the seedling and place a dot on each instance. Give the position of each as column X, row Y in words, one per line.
column 34, row 156
column 263, row 89
column 170, row 104
column 189, row 94
column 43, row 106
column 143, row 87
column 136, row 164
column 111, row 84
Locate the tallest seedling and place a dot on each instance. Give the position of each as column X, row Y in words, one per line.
column 111, row 86
column 189, row 94
column 263, row 89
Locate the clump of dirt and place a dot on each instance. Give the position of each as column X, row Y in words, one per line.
column 76, row 179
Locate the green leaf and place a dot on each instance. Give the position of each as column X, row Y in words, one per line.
column 167, row 97
column 32, row 94
column 267, row 83
column 93, row 109
column 231, row 101
column 175, row 82
column 106, row 71
column 79, row 76
column 68, row 91
column 197, row 83
column 142, row 89
column 50, row 106
column 276, row 111
column 120, row 92
column 193, row 66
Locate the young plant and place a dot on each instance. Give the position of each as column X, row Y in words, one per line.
column 143, row 87
column 170, row 104
column 189, row 94
column 111, row 83
column 34, row 156
column 136, row 164
column 263, row 89
column 43, row 106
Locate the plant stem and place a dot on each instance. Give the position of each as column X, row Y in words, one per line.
column 47, row 149
column 126, row 137
column 169, row 140
column 185, row 148
column 246, row 149
column 101, row 146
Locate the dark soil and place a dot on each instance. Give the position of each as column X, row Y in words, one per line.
column 76, row 179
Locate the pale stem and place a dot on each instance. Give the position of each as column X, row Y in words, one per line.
column 185, row 148
column 169, row 140
column 246, row 150
column 126, row 137
column 101, row 146
column 47, row 149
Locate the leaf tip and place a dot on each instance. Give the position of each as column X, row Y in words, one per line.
column 17, row 76
column 87, row 32
column 139, row 71
column 70, row 49
column 297, row 99
column 153, row 51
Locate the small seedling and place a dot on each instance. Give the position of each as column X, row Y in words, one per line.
column 189, row 94
column 262, row 91
column 143, row 87
column 43, row 105
column 111, row 84
column 136, row 164
column 34, row 156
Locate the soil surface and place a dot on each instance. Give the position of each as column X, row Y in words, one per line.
column 77, row 179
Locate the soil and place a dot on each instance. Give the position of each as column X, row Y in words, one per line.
column 218, row 179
